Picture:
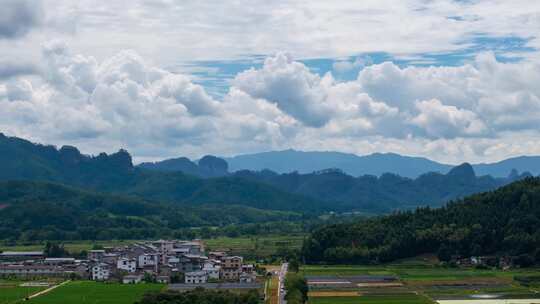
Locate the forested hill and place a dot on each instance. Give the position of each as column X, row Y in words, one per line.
column 46, row 211
column 505, row 221
column 385, row 193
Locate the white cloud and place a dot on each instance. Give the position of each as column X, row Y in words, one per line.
column 470, row 112
column 442, row 121
column 291, row 86
column 173, row 32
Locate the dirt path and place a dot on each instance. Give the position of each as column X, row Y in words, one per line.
column 37, row 294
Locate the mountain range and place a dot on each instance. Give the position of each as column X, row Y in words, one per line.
column 288, row 161
column 209, row 182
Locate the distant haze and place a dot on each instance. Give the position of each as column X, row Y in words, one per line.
column 373, row 164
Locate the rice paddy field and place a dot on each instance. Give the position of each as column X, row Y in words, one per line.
column 417, row 282
column 261, row 246
column 80, row 292
column 12, row 291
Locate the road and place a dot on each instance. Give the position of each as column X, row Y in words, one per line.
column 47, row 290
column 281, row 290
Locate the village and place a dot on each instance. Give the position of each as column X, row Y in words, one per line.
column 184, row 263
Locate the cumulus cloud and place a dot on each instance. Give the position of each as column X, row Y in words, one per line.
column 122, row 101
column 291, row 86
column 18, row 17
column 443, row 121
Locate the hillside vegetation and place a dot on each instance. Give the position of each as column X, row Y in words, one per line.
column 115, row 173
column 385, row 193
column 46, row 211
column 505, row 221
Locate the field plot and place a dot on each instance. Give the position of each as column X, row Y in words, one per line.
column 372, row 299
column 492, row 301
column 71, row 246
column 254, row 246
column 86, row 292
column 416, row 283
column 12, row 292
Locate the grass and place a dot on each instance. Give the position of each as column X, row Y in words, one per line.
column 373, row 299
column 71, row 246
column 261, row 246
column 13, row 293
column 87, row 292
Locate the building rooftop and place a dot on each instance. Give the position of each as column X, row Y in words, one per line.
column 196, row 273
column 21, row 253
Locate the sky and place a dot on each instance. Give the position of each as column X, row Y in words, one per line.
column 450, row 80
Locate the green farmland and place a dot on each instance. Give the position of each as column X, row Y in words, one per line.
column 262, row 246
column 11, row 292
column 86, row 292
column 378, row 299
column 421, row 283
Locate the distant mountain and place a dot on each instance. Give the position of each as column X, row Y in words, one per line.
column 208, row 166
column 307, row 162
column 374, row 164
column 505, row 222
column 115, row 173
column 385, row 193
column 322, row 191
column 521, row 164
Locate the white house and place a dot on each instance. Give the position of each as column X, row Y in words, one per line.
column 101, row 272
column 126, row 264
column 212, row 270
column 196, row 277
column 147, row 260
column 132, row 279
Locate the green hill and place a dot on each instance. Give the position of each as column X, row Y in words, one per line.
column 41, row 211
column 505, row 221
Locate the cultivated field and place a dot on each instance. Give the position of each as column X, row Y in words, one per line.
column 417, row 282
column 261, row 246
column 71, row 246
column 11, row 291
column 86, row 292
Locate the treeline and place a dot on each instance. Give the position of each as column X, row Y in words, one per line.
column 504, row 222
column 200, row 296
column 297, row 288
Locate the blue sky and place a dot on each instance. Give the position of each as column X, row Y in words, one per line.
column 449, row 80
column 216, row 75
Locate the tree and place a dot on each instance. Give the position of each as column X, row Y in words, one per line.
column 445, row 253
column 297, row 288
column 294, row 265
column 53, row 250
